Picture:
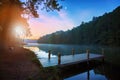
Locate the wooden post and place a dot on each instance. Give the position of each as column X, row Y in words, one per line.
column 87, row 51
column 49, row 53
column 88, row 74
column 59, row 58
column 73, row 51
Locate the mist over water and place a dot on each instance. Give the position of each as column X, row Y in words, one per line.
column 39, row 53
column 108, row 71
column 43, row 54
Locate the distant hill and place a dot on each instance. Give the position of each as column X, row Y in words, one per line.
column 102, row 30
column 30, row 41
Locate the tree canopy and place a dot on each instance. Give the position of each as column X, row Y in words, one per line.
column 15, row 12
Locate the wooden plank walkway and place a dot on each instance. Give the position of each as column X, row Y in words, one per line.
column 70, row 59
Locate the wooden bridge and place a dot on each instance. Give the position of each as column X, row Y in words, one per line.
column 67, row 60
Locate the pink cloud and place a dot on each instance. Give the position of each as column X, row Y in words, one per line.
column 49, row 24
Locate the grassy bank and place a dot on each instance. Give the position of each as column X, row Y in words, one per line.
column 33, row 57
column 47, row 73
column 18, row 64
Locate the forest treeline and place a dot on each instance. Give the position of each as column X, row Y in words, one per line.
column 102, row 30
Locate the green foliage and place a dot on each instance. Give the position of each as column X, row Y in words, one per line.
column 33, row 58
column 102, row 30
column 50, row 73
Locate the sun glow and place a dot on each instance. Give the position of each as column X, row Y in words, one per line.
column 19, row 32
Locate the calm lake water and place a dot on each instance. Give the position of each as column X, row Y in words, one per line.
column 110, row 70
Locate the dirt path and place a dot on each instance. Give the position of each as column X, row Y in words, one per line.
column 17, row 65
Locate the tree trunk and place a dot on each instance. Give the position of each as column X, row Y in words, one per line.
column 5, row 24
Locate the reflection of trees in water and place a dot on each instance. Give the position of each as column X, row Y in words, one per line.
column 111, row 53
column 99, row 70
column 79, row 69
column 109, row 71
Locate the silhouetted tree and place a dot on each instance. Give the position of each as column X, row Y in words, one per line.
column 17, row 12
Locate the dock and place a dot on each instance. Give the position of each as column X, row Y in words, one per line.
column 67, row 60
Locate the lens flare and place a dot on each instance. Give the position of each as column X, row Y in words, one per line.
column 19, row 31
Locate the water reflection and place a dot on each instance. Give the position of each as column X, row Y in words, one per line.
column 84, row 71
column 40, row 53
column 111, row 53
column 105, row 72
column 109, row 70
column 34, row 49
column 89, row 75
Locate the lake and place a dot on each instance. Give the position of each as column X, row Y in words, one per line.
column 107, row 71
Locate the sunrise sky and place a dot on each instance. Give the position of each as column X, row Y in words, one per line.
column 72, row 14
